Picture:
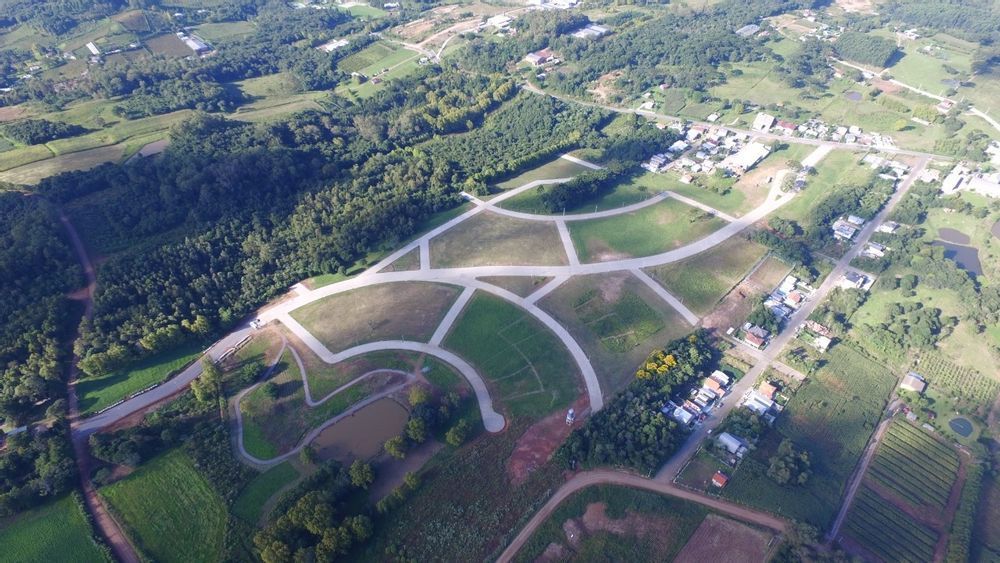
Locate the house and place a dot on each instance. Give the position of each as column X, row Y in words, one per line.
column 759, row 332
column 712, row 118
column 731, row 443
column 719, row 479
column 678, row 146
column 785, row 127
column 945, row 106
column 754, row 340
column 713, row 385
column 763, row 122
column 767, row 389
column 855, row 220
column 874, row 250
column 852, row 280
column 953, row 181
column 818, row 328
column 986, row 185
column 822, row 343
column 757, row 403
column 681, row 415
column 748, row 30
column 747, row 157
column 721, row 377
column 93, row 49
column 888, row 227
column 913, row 382
column 793, row 299
column 844, row 230
column 788, row 284
column 538, row 58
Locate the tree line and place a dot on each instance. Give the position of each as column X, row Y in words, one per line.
column 35, row 131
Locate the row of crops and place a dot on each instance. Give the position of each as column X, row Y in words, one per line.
column 972, row 388
column 915, row 466
column 888, row 532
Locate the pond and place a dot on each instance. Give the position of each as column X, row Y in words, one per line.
column 967, row 257
column 360, row 436
column 853, row 96
column 961, row 426
column 996, row 229
column 953, row 236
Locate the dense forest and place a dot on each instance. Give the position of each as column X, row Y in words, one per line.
column 866, row 49
column 35, row 131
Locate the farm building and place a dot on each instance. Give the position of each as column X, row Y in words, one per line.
column 94, row 50
column 538, row 58
column 591, row 31
column 748, row 30
column 913, row 382
column 332, row 46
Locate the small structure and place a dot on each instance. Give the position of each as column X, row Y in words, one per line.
column 721, row 377
column 731, row 443
column 756, row 336
column 332, row 46
column 763, row 122
column 785, row 127
column 538, row 58
column 888, row 227
column 682, row 415
column 852, row 280
column 591, row 31
column 571, row 416
column 719, row 479
column 767, row 389
column 822, row 343
column 913, row 382
column 757, row 403
column 748, row 30
column 818, row 328
column 713, row 386
column 94, row 50
column 195, row 44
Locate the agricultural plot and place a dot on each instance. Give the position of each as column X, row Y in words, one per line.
column 528, row 368
column 494, row 240
column 170, row 512
column 970, row 389
column 169, row 45
column 913, row 465
column 374, row 58
column 887, row 531
column 395, row 311
column 648, row 231
column 56, row 531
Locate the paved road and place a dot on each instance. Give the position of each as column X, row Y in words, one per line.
column 609, row 477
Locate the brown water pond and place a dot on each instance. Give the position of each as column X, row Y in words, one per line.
column 360, row 436
column 953, row 236
column 996, row 229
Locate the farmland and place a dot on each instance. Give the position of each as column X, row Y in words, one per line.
column 169, row 510
column 57, row 531
column 887, row 531
column 529, row 371
column 915, row 466
column 970, row 390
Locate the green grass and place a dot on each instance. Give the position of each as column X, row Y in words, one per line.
column 701, row 281
column 370, row 12
column 252, row 499
column 887, row 531
column 212, row 32
column 554, row 169
column 650, row 230
column 528, row 369
column 374, row 58
column 169, row 510
column 489, row 239
column 839, row 168
column 629, row 192
column 96, row 393
column 57, row 531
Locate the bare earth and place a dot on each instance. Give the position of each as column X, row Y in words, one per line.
column 722, row 540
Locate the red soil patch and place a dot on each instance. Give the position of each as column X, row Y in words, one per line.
column 11, row 113
column 540, row 441
column 885, row 86
column 723, row 540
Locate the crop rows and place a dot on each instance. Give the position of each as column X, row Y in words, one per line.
column 888, row 532
column 915, row 466
column 972, row 386
column 924, row 443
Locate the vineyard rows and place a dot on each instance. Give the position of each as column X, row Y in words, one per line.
column 971, row 386
column 888, row 532
column 915, row 465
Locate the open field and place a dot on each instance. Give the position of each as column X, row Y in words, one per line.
column 84, row 160
column 494, row 240
column 56, row 531
column 169, row 45
column 914, row 466
column 650, row 230
column 365, row 11
column 701, row 281
column 619, row 524
column 250, row 503
column 986, row 532
column 617, row 320
column 831, row 416
column 374, row 58
column 839, row 168
column 226, row 30
column 529, row 371
column 520, row 285
column 887, row 531
column 96, row 393
column 169, row 510
column 556, row 168
column 395, row 311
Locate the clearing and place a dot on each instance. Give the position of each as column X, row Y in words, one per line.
column 494, row 240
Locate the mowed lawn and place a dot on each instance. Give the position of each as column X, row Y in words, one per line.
column 56, row 531
column 250, row 503
column 701, row 281
column 493, row 240
column 528, row 369
column 169, row 510
column 651, row 230
column 393, row 311
column 96, row 393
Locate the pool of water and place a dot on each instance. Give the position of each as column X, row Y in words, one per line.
column 961, row 426
column 360, row 436
column 853, row 96
column 953, row 236
column 996, row 229
column 967, row 257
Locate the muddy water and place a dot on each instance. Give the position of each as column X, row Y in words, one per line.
column 360, row 436
column 953, row 236
column 967, row 257
column 996, row 229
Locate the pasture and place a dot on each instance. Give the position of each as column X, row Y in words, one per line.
column 651, row 230
column 701, row 281
column 489, row 239
column 56, row 531
column 528, row 369
column 393, row 311
column 168, row 45
column 222, row 31
column 888, row 532
column 96, row 393
column 169, row 510
column 365, row 11
column 617, row 320
column 250, row 504
column 914, row 467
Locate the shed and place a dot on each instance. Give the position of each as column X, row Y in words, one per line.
column 730, row 442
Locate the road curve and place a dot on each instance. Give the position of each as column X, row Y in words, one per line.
column 609, row 477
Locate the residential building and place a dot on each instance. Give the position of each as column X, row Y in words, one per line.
column 913, row 382
column 757, row 403
column 763, row 122
column 852, row 280
column 785, row 127
column 720, row 479
column 888, row 227
column 767, row 390
column 721, row 377
column 538, row 58
column 822, row 343
column 731, row 443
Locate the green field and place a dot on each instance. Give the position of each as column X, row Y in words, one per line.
column 651, row 230
column 169, row 510
column 57, row 531
column 96, row 393
column 369, row 12
column 489, row 239
column 914, row 466
column 839, row 168
column 212, row 32
column 374, row 58
column 831, row 416
column 631, row 191
column 887, row 531
column 529, row 370
column 701, row 281
column 250, row 503
column 554, row 169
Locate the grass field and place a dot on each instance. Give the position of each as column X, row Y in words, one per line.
column 407, row 311
column 554, row 169
column 324, row 378
column 887, row 531
column 374, row 58
column 520, row 285
column 831, row 416
column 633, row 190
column 168, row 45
column 839, row 168
column 914, row 466
column 169, row 510
column 529, row 370
column 650, row 230
column 212, row 32
column 251, row 501
column 493, row 240
column 56, row 531
column 96, row 393
column 669, row 524
column 617, row 320
column 367, row 12
column 701, row 281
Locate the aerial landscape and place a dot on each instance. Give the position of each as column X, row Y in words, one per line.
column 499, row 280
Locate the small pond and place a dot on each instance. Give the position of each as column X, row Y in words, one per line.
column 953, row 236
column 967, row 257
column 961, row 426
column 996, row 229
column 853, row 96
column 360, row 436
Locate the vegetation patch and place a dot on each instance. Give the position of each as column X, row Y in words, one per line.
column 489, row 239
column 254, row 497
column 519, row 285
column 552, row 170
column 887, row 531
column 915, row 466
column 57, row 531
